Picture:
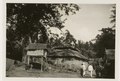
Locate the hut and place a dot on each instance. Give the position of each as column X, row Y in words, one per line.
column 36, row 50
column 67, row 56
column 67, row 53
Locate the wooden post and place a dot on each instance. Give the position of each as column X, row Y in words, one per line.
column 41, row 63
column 28, row 61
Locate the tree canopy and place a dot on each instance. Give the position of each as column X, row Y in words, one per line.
column 28, row 19
column 106, row 40
column 28, row 23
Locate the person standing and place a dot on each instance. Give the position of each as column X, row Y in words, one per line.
column 83, row 69
column 98, row 71
column 90, row 69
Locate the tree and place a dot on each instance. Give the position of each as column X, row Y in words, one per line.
column 86, row 48
column 25, row 21
column 105, row 41
column 113, row 16
column 69, row 40
column 66, row 39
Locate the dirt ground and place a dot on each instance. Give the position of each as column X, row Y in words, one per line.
column 21, row 72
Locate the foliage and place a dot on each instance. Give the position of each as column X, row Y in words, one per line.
column 86, row 49
column 66, row 40
column 105, row 41
column 29, row 19
column 26, row 21
column 113, row 16
column 69, row 39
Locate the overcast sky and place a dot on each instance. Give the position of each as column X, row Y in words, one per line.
column 89, row 19
column 85, row 24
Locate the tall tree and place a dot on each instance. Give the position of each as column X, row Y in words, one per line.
column 113, row 16
column 105, row 41
column 69, row 39
column 86, row 48
column 25, row 21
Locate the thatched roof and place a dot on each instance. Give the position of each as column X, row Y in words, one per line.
column 67, row 53
column 65, row 48
column 36, row 46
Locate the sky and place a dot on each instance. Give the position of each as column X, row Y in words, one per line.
column 84, row 25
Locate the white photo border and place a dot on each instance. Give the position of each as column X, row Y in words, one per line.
column 3, row 39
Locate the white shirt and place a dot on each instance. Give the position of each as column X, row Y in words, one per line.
column 83, row 67
column 90, row 68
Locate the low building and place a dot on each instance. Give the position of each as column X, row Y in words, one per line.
column 36, row 52
column 67, row 56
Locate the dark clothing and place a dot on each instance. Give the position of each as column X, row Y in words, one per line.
column 109, row 70
column 99, row 70
column 81, row 72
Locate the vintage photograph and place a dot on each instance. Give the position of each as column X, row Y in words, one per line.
column 63, row 40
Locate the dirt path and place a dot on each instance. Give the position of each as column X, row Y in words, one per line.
column 21, row 72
